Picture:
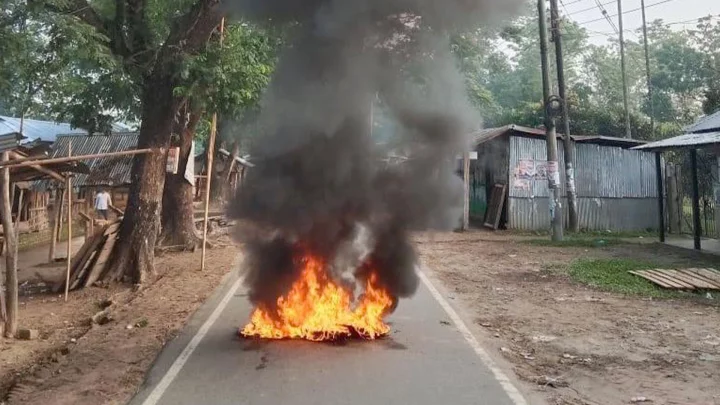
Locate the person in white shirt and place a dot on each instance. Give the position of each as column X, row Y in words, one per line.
column 102, row 202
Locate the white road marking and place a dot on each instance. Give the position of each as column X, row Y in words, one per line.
column 180, row 361
column 500, row 376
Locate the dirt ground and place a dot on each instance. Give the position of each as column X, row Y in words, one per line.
column 77, row 362
column 573, row 344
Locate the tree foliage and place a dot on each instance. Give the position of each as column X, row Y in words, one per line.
column 503, row 66
column 89, row 68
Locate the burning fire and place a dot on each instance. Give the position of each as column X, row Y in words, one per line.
column 318, row 309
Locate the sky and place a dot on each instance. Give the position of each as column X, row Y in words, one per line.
column 681, row 13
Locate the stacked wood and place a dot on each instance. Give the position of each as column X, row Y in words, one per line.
column 682, row 279
column 89, row 265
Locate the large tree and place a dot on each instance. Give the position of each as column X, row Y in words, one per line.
column 152, row 40
column 227, row 78
column 74, row 73
column 48, row 60
column 707, row 38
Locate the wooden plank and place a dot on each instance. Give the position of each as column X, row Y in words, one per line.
column 209, row 219
column 101, row 261
column 84, row 249
column 495, row 207
column 117, row 210
column 711, row 274
column 82, row 264
column 652, row 279
column 681, row 284
column 79, row 276
column 695, row 281
column 81, row 257
column 714, row 285
column 662, row 281
column 672, row 280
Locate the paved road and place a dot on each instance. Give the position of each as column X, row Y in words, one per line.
column 430, row 358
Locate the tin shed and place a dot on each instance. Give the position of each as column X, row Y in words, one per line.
column 616, row 186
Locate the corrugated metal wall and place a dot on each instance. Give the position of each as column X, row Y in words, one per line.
column 522, row 148
column 617, row 188
column 599, row 214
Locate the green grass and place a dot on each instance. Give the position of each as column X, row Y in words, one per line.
column 618, row 234
column 595, row 234
column 576, row 242
column 612, row 275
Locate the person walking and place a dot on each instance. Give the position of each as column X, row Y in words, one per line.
column 102, row 202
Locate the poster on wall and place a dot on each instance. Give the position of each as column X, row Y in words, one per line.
column 531, row 170
column 521, row 184
column 553, row 173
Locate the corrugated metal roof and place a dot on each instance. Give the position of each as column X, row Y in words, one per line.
column 108, row 171
column 9, row 141
column 683, row 141
column 488, row 134
column 607, row 140
column 44, row 130
column 709, row 123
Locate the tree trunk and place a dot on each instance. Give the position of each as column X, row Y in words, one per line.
column 178, row 222
column 133, row 258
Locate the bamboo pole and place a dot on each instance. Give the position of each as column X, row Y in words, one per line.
column 17, row 158
column 11, row 281
column 17, row 219
column 57, row 220
column 49, row 172
column 210, row 156
column 69, row 226
column 42, row 162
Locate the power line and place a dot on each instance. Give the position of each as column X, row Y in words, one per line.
column 682, row 22
column 606, row 16
column 625, row 12
column 694, row 20
column 600, row 33
column 573, row 2
column 563, row 6
column 588, row 9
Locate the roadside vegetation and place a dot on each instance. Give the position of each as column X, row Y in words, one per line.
column 613, row 275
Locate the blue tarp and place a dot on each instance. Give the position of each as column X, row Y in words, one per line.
column 44, row 130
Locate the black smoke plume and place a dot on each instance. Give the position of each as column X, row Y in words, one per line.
column 321, row 184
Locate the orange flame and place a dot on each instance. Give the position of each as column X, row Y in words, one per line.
column 318, row 309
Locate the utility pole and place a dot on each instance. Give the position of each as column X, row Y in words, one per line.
column 573, row 223
column 466, row 189
column 647, row 70
column 628, row 133
column 553, row 171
